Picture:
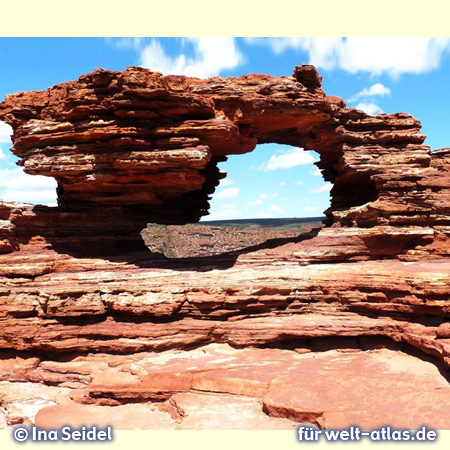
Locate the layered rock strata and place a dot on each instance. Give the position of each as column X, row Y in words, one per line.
column 241, row 339
column 86, row 337
column 219, row 387
column 135, row 147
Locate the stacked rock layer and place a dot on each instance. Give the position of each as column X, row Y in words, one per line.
column 91, row 320
column 135, row 147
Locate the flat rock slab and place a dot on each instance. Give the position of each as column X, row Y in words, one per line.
column 185, row 411
column 21, row 401
column 220, row 387
column 224, row 412
column 369, row 390
column 124, row 417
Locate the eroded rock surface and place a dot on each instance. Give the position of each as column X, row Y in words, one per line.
column 332, row 327
column 134, row 147
column 220, row 387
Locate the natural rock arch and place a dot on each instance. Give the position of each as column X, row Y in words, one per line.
column 133, row 147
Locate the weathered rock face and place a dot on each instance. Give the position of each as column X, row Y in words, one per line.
column 135, row 147
column 219, row 387
column 83, row 335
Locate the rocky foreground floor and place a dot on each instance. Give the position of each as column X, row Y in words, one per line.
column 217, row 386
column 239, row 341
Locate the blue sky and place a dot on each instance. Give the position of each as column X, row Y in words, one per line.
column 374, row 74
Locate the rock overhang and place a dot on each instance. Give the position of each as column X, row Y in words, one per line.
column 137, row 147
column 388, row 221
column 136, row 137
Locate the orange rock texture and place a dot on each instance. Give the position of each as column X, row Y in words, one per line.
column 90, row 320
column 135, row 147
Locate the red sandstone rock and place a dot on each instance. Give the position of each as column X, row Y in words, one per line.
column 368, row 397
column 443, row 330
column 124, row 417
column 262, row 304
column 140, row 147
column 329, row 388
column 225, row 412
column 133, row 147
column 21, row 401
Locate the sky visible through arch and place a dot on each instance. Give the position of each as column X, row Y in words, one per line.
column 374, row 74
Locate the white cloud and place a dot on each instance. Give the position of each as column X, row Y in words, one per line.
column 324, row 188
column 7, row 158
column 286, row 159
column 125, row 42
column 211, row 56
column 226, row 182
column 16, row 185
column 312, row 208
column 273, row 211
column 375, row 55
column 17, row 179
column 283, row 183
column 43, row 197
column 5, row 133
column 223, row 214
column 375, row 90
column 256, row 202
column 275, row 208
column 316, row 172
column 369, row 108
column 299, row 183
column 263, row 196
column 3, row 156
column 320, row 46
column 227, row 193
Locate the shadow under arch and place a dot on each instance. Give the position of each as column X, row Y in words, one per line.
column 288, row 111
